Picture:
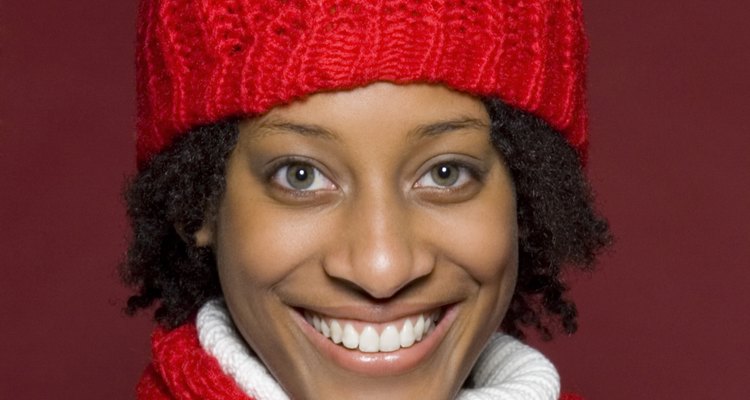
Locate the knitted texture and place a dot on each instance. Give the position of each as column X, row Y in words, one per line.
column 209, row 360
column 507, row 368
column 200, row 61
column 181, row 369
column 219, row 338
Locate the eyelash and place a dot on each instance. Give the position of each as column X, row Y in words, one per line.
column 278, row 171
column 277, row 175
column 466, row 172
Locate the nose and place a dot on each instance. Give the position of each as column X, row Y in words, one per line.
column 380, row 251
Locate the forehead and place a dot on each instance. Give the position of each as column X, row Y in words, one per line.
column 415, row 110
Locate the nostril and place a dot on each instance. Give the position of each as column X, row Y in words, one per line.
column 376, row 294
column 381, row 252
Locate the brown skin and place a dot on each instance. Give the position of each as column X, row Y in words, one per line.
column 375, row 236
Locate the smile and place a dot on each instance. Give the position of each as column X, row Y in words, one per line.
column 375, row 337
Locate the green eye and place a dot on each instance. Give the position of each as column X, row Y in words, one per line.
column 300, row 176
column 445, row 174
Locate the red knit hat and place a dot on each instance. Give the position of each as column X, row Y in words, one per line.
column 200, row 61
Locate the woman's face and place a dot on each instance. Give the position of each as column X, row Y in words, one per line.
column 367, row 241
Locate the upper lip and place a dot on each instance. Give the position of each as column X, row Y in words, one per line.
column 380, row 313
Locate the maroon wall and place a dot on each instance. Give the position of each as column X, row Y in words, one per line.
column 665, row 317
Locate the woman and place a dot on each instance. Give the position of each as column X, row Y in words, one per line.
column 348, row 199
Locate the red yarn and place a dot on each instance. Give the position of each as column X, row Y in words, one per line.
column 568, row 396
column 182, row 370
column 202, row 61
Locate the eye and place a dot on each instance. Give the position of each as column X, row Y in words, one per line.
column 300, row 176
column 446, row 175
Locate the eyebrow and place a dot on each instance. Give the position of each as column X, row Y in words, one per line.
column 279, row 126
column 437, row 128
column 422, row 131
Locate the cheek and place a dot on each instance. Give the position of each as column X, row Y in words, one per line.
column 258, row 244
column 482, row 238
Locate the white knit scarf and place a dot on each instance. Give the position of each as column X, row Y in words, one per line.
column 507, row 369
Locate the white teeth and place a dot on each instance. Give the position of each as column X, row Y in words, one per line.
column 419, row 328
column 350, row 338
column 324, row 328
column 427, row 326
column 407, row 334
column 389, row 339
column 369, row 340
column 336, row 332
column 316, row 322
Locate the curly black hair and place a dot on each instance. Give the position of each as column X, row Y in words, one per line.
column 171, row 197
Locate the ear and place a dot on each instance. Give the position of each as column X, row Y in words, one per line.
column 205, row 235
column 202, row 237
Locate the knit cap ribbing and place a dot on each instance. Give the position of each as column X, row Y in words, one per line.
column 201, row 61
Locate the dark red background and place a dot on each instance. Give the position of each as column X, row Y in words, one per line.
column 666, row 317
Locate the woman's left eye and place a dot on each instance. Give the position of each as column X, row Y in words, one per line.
column 302, row 177
column 446, row 175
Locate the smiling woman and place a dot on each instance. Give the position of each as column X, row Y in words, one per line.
column 359, row 226
column 359, row 242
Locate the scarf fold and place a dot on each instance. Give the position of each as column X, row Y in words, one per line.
column 209, row 360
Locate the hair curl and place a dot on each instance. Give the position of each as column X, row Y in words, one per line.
column 171, row 197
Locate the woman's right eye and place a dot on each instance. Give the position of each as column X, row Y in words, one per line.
column 302, row 177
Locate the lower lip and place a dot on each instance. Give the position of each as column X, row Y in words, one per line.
column 380, row 364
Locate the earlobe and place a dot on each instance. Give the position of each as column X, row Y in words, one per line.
column 203, row 237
